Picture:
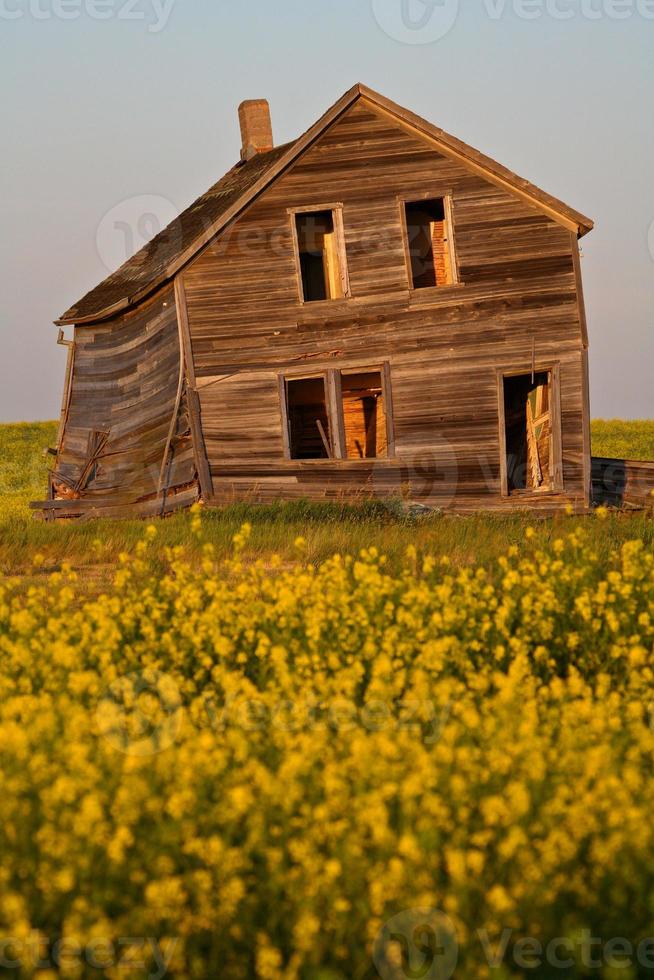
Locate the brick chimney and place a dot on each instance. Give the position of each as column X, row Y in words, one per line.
column 256, row 128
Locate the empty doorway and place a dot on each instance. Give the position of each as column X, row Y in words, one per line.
column 529, row 446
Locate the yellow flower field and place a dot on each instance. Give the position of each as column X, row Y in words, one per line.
column 244, row 769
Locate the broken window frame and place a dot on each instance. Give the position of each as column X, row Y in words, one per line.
column 553, row 372
column 341, row 255
column 446, row 198
column 383, row 370
column 335, row 413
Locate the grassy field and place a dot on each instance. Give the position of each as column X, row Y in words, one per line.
column 327, row 528
column 23, row 466
column 623, row 440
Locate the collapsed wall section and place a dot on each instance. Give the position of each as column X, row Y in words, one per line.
column 126, row 445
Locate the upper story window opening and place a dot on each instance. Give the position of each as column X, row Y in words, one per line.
column 429, row 242
column 321, row 254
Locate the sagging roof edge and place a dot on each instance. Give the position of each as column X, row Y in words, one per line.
column 450, row 145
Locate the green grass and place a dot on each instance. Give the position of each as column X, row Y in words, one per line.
column 328, row 528
column 623, row 440
column 23, row 465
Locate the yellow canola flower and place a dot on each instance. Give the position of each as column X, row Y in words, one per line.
column 262, row 764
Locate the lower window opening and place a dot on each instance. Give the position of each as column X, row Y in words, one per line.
column 528, row 426
column 364, row 415
column 308, row 420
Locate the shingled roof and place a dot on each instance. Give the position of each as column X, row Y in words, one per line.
column 172, row 248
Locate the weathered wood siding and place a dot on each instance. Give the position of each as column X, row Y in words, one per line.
column 623, row 482
column 444, row 346
column 124, row 382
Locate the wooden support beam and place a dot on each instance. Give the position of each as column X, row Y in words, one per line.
column 68, row 387
column 194, row 407
column 323, row 436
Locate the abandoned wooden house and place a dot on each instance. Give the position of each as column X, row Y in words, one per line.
column 375, row 309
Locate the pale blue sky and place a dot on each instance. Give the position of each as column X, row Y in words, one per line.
column 96, row 112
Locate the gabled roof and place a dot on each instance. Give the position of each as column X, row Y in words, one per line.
column 159, row 260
